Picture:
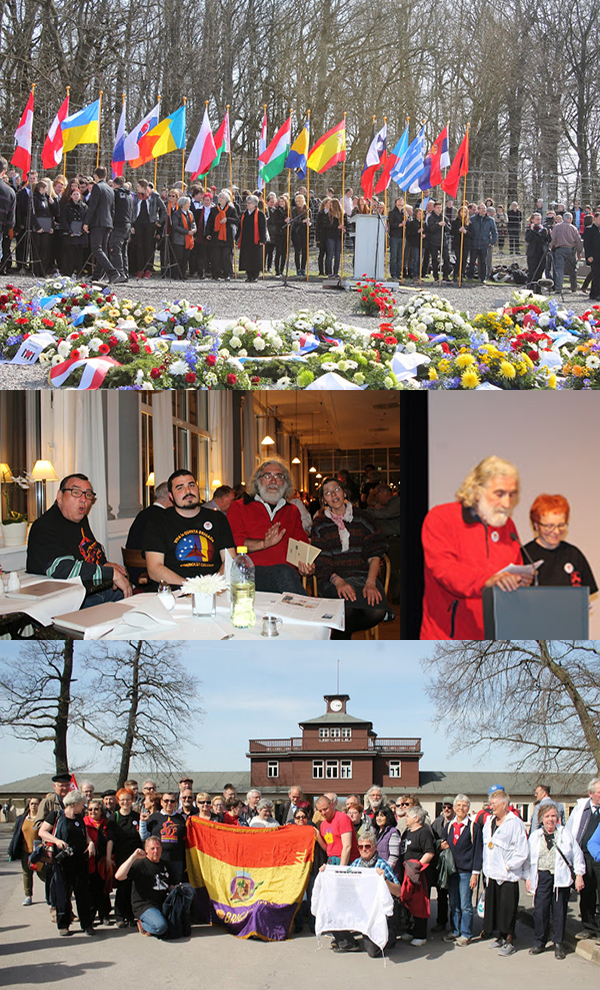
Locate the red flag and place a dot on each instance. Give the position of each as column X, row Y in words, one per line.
column 376, row 157
column 22, row 155
column 73, row 786
column 459, row 167
column 52, row 151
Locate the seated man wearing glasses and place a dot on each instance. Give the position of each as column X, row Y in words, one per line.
column 264, row 522
column 61, row 545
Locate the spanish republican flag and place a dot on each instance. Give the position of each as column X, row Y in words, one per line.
column 82, row 127
column 329, row 149
column 168, row 135
column 254, row 878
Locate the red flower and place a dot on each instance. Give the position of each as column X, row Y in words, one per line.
column 211, row 360
column 255, row 380
column 147, row 349
column 133, row 336
column 86, row 296
column 134, row 348
column 445, row 347
column 391, row 340
column 155, row 373
column 231, row 379
column 534, row 355
column 190, row 377
column 104, row 349
column 75, row 354
column 113, row 341
column 47, row 322
column 21, row 320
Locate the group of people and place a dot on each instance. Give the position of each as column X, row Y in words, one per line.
column 134, row 843
column 180, row 537
column 470, row 544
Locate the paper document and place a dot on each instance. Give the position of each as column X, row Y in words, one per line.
column 523, row 570
column 300, row 552
column 301, row 608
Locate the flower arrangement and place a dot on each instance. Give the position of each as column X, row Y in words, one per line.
column 9, row 482
column 374, row 298
column 206, row 584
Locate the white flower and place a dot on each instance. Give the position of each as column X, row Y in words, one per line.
column 179, row 329
column 64, row 349
column 138, row 311
column 121, row 335
column 235, row 342
column 329, row 366
column 258, row 344
column 44, row 357
column 277, row 342
column 208, row 584
column 303, row 325
column 410, row 347
column 592, row 362
column 295, row 346
column 224, row 353
column 94, row 344
column 210, row 378
column 57, row 359
column 243, row 353
column 544, row 320
column 179, row 368
column 175, row 309
column 139, row 376
column 284, row 382
column 84, row 351
column 421, row 328
column 388, row 382
column 427, row 319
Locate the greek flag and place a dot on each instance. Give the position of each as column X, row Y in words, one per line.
column 409, row 168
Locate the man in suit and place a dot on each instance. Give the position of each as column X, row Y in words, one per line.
column 7, row 206
column 121, row 232
column 289, row 808
column 24, row 212
column 200, row 261
column 591, row 243
column 100, row 222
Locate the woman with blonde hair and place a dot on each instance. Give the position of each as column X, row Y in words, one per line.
column 334, row 229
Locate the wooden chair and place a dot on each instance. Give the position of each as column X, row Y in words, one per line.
column 135, row 559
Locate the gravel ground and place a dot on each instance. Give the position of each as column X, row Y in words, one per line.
column 270, row 300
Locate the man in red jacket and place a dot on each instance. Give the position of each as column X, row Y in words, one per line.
column 264, row 522
column 467, row 546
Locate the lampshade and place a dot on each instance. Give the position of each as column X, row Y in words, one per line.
column 150, row 480
column 5, row 473
column 319, row 475
column 216, row 482
column 43, row 471
column 267, row 440
column 296, row 460
column 312, row 470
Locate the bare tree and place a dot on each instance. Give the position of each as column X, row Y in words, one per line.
column 35, row 696
column 539, row 699
column 142, row 702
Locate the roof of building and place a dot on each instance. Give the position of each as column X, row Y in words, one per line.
column 211, row 781
column 335, row 718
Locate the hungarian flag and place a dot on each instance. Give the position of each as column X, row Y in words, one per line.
column 22, row 156
column 204, row 152
column 251, row 879
column 376, row 157
column 262, row 144
column 459, row 167
column 222, row 140
column 274, row 156
column 329, row 150
column 392, row 160
column 118, row 158
column 52, row 151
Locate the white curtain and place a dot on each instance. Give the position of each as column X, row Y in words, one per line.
column 220, row 414
column 162, row 432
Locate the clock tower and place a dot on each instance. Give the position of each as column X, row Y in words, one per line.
column 336, row 703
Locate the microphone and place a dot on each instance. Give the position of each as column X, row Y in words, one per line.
column 515, row 538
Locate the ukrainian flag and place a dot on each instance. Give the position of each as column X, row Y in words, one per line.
column 168, row 135
column 82, row 127
column 299, row 152
column 255, row 878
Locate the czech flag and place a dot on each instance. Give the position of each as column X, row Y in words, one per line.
column 82, row 127
column 251, row 879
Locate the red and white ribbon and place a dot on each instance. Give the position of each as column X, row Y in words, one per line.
column 94, row 373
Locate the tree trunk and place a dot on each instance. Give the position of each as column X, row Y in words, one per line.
column 132, row 719
column 591, row 736
column 62, row 715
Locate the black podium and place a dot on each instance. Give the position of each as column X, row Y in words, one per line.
column 536, row 613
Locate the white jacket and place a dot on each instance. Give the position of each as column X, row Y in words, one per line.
column 562, row 873
column 507, row 858
column 574, row 819
column 352, row 898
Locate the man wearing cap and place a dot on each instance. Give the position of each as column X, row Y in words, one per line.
column 185, row 784
column 53, row 801
column 438, row 826
column 109, row 799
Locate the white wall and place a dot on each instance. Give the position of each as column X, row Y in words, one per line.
column 551, row 437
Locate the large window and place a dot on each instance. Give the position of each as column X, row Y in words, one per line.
column 190, row 438
column 332, row 769
column 346, row 769
column 323, row 733
column 318, row 766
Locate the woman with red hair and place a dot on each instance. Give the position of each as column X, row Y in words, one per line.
column 563, row 564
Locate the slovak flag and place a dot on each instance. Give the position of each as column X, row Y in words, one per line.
column 22, row 156
column 131, row 144
column 52, row 151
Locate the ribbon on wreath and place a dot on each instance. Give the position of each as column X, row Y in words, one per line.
column 94, row 373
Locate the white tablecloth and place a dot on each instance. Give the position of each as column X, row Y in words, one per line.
column 184, row 626
column 65, row 600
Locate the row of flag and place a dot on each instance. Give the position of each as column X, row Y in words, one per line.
column 407, row 164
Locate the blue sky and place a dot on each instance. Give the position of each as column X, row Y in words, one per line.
column 264, row 690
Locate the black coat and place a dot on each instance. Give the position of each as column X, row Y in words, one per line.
column 232, row 223
column 536, row 241
column 591, row 244
column 101, row 206
column 123, row 217
column 8, row 201
column 395, row 218
column 251, row 254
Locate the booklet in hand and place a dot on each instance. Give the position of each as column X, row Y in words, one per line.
column 299, row 552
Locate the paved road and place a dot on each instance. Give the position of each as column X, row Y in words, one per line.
column 32, row 956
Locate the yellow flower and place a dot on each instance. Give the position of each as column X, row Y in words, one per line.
column 507, row 369
column 528, row 361
column 464, row 360
column 552, row 381
column 444, row 366
column 148, row 320
column 470, row 378
column 114, row 313
column 432, row 375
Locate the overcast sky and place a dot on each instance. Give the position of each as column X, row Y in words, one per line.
column 263, row 691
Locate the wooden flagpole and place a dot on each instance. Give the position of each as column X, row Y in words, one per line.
column 343, row 211
column 462, row 236
column 387, row 236
column 65, row 153
column 156, row 159
column 183, row 154
column 404, row 191
column 440, row 270
column 421, row 240
column 99, row 122
column 231, row 187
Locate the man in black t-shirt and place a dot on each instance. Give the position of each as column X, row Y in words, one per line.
column 187, row 540
column 171, row 829
column 61, row 545
column 150, row 886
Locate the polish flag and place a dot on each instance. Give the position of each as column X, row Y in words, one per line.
column 52, row 151
column 22, row 156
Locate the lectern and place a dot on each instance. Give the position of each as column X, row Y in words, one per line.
column 369, row 246
column 536, row 613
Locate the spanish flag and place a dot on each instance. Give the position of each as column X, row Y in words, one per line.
column 329, row 149
column 82, row 127
column 168, row 135
column 255, row 878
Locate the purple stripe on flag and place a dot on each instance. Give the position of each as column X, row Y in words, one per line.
column 269, row 921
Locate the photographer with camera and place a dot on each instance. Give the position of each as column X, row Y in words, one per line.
column 66, row 831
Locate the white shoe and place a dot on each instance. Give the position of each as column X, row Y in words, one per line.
column 418, row 941
column 27, row 901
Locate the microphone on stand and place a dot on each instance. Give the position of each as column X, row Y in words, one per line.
column 515, row 538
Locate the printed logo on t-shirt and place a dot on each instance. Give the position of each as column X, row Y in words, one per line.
column 192, row 548
column 495, row 536
column 208, row 526
column 91, row 551
column 168, row 832
column 161, row 881
column 568, row 568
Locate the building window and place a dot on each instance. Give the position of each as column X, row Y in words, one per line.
column 323, row 733
column 318, row 769
column 336, row 733
column 273, row 768
column 332, row 770
column 346, row 769
column 346, row 733
column 395, row 768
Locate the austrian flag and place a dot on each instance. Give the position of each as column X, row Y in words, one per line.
column 52, row 151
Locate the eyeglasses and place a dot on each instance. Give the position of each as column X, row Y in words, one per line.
column 300, row 818
column 79, row 493
column 169, row 801
column 204, row 802
column 367, row 846
column 333, row 491
column 273, row 477
column 552, row 527
column 404, row 804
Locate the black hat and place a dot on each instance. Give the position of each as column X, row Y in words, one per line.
column 61, row 778
column 109, row 793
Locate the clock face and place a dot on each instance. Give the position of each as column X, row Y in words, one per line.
column 336, row 706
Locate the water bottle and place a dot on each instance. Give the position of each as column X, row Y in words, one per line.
column 242, row 590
